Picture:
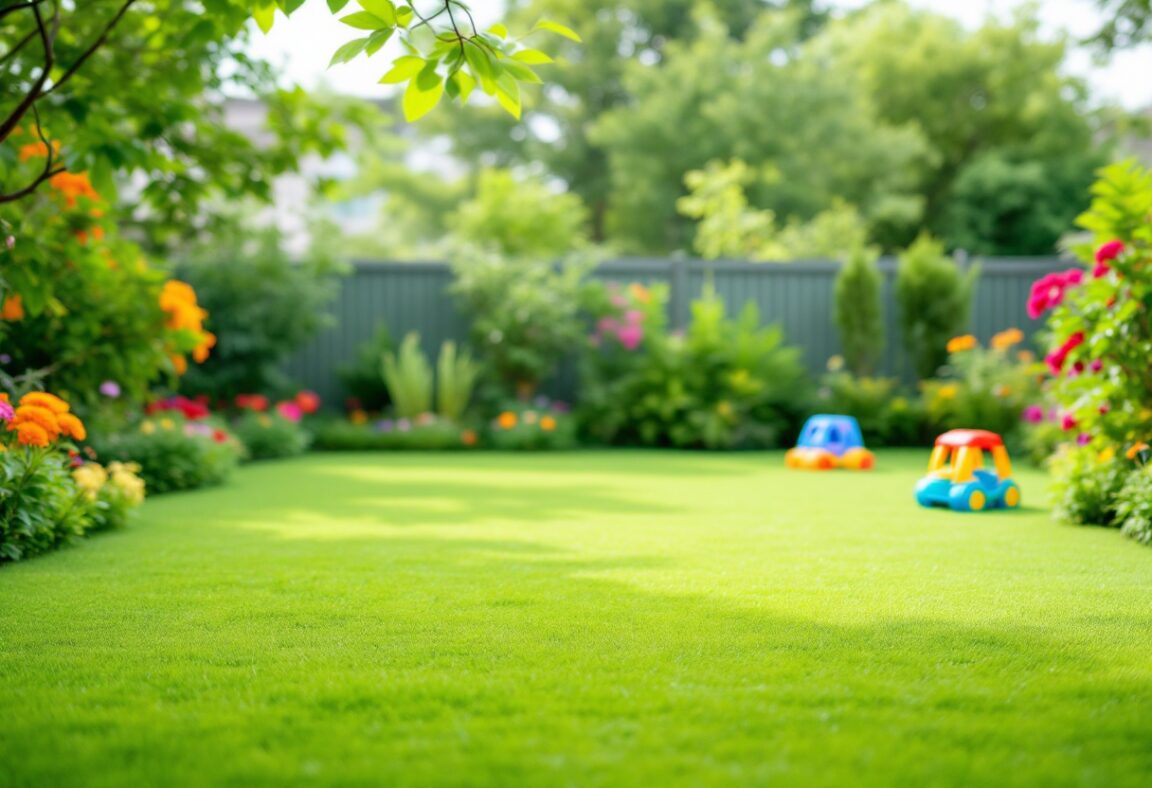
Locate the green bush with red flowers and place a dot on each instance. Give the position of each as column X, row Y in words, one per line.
column 1100, row 323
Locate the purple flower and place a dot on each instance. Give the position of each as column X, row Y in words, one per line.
column 384, row 425
column 6, row 411
column 541, row 402
column 1083, row 439
column 110, row 389
column 1033, row 414
column 5, row 358
column 560, row 407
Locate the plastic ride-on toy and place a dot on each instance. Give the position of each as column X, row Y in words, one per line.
column 828, row 442
column 957, row 479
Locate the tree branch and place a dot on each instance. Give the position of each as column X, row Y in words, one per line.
column 47, row 40
column 99, row 42
column 18, row 7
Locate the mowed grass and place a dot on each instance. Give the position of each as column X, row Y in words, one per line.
column 584, row 619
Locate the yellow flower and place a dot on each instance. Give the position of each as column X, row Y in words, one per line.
column 639, row 292
column 167, row 424
column 358, row 417
column 1007, row 339
column 507, row 420
column 1106, row 455
column 835, row 363
column 724, row 408
column 148, row 428
column 547, row 423
column 962, row 343
column 124, row 478
column 948, row 391
column 90, row 478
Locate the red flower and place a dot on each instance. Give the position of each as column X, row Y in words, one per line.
column 1048, row 291
column 308, row 402
column 1068, row 422
column 1057, row 358
column 1106, row 254
column 255, row 402
column 220, row 436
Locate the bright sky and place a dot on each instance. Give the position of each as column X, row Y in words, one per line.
column 304, row 44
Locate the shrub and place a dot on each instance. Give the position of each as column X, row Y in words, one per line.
column 79, row 304
column 362, row 380
column 1087, row 485
column 112, row 492
column 525, row 314
column 174, row 453
column 1134, row 506
column 935, row 299
column 426, row 433
column 886, row 418
column 539, row 426
column 264, row 306
column 985, row 388
column 1101, row 338
column 268, row 436
column 409, row 378
column 723, row 384
column 859, row 312
column 456, row 376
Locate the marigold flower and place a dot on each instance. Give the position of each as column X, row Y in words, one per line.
column 1135, row 449
column 30, row 434
column 179, row 363
column 72, row 426
column 13, row 308
column 507, row 420
column 1007, row 339
column 40, row 416
column 961, row 344
column 44, row 399
column 547, row 423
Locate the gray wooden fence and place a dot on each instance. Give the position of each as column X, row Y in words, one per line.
column 798, row 296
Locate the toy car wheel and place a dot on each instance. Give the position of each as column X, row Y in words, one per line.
column 825, row 462
column 976, row 501
column 859, row 459
column 1012, row 497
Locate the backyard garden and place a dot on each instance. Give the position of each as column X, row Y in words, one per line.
column 698, row 470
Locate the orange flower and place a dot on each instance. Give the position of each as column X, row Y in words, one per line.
column 30, row 434
column 468, row 437
column 507, row 420
column 547, row 423
column 640, row 293
column 45, row 400
column 73, row 186
column 962, row 343
column 13, row 308
column 1026, row 356
column 179, row 363
column 41, row 417
column 200, row 352
column 96, row 234
column 37, row 150
column 1135, row 449
column 1007, row 339
column 358, row 417
column 72, row 426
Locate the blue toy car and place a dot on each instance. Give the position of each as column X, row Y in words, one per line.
column 829, row 441
column 957, row 479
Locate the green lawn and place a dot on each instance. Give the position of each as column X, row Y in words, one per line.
column 582, row 619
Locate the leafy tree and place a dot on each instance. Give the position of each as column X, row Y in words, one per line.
column 764, row 100
column 934, row 298
column 1127, row 23
column 859, row 311
column 992, row 105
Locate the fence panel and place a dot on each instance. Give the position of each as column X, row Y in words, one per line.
column 797, row 296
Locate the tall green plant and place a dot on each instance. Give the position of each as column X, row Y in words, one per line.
column 859, row 312
column 409, row 378
column 456, row 375
column 935, row 299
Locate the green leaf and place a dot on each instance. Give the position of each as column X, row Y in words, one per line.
column 532, row 57
column 336, row 5
column 499, row 30
column 520, row 71
column 348, row 51
column 481, row 63
column 508, row 94
column 265, row 15
column 404, row 15
column 363, row 20
column 377, row 40
column 423, row 93
column 403, row 69
column 381, row 8
column 558, row 29
column 465, row 85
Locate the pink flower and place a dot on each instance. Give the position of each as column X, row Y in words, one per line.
column 1048, row 291
column 634, row 317
column 6, row 411
column 606, row 325
column 110, row 389
column 630, row 336
column 1096, row 365
column 1068, row 423
column 1033, row 414
column 290, row 411
column 1083, row 439
column 1109, row 251
column 1057, row 358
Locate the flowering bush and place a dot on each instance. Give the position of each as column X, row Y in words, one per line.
column 173, row 452
column 985, row 388
column 722, row 384
column 269, row 436
column 79, row 304
column 44, row 503
column 886, row 416
column 540, row 425
column 1101, row 342
column 424, row 433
